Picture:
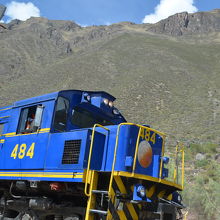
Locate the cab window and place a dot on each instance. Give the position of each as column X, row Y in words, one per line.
column 30, row 119
column 1, row 128
column 61, row 114
column 85, row 119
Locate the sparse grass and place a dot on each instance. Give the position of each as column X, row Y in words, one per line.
column 202, row 191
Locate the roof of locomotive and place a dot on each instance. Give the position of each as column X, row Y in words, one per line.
column 54, row 95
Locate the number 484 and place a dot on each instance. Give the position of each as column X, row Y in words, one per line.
column 22, row 151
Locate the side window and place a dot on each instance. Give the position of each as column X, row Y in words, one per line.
column 61, row 114
column 30, row 119
column 1, row 128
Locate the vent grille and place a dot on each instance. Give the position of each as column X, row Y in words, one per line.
column 71, row 152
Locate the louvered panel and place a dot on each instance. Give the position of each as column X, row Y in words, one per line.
column 71, row 152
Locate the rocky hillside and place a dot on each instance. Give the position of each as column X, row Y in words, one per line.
column 188, row 24
column 166, row 74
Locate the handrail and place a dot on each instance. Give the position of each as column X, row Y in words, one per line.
column 179, row 149
column 185, row 215
column 161, row 161
column 90, row 155
column 136, row 149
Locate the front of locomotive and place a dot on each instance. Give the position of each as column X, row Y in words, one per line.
column 138, row 175
column 133, row 172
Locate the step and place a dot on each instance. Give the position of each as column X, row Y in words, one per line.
column 97, row 211
column 100, row 192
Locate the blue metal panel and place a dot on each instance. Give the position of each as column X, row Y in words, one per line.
column 37, row 99
column 40, row 141
column 154, row 167
column 8, row 162
column 126, row 148
column 109, row 149
column 5, row 109
column 97, row 158
column 25, row 141
column 56, row 148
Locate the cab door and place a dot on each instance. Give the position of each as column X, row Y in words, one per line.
column 7, row 143
column 2, row 141
column 33, row 138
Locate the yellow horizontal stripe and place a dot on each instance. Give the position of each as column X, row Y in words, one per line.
column 5, row 109
column 49, row 176
column 72, row 173
column 40, row 174
column 45, row 129
column 5, row 117
column 13, row 134
column 150, row 178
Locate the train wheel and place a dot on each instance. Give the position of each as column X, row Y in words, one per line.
column 30, row 215
column 73, row 218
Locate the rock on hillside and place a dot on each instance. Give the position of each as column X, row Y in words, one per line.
column 185, row 23
column 2, row 11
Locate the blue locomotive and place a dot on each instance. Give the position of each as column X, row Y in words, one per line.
column 72, row 155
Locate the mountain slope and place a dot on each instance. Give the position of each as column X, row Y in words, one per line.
column 166, row 75
column 171, row 83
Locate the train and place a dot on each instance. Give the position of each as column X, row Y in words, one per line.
column 71, row 154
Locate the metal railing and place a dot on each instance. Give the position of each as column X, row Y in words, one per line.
column 179, row 150
column 90, row 156
column 141, row 128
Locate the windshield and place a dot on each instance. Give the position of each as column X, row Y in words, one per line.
column 85, row 119
column 61, row 114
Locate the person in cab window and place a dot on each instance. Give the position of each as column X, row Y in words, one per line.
column 29, row 123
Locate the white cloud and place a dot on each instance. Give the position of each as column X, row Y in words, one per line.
column 169, row 7
column 1, row 21
column 82, row 25
column 108, row 23
column 21, row 11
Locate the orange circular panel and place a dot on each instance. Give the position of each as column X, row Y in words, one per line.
column 145, row 154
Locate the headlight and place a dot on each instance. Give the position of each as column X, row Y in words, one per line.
column 115, row 111
column 179, row 198
column 110, row 104
column 141, row 191
column 87, row 97
column 106, row 101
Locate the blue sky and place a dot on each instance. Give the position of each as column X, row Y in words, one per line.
column 98, row 12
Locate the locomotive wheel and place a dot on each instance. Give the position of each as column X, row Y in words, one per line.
column 72, row 218
column 27, row 216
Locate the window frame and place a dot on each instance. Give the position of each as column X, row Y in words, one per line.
column 23, row 118
column 2, row 126
column 96, row 118
column 55, row 129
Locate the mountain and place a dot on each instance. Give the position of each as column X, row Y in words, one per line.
column 185, row 23
column 164, row 74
